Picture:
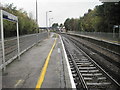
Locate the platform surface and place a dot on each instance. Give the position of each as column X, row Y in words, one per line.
column 26, row 72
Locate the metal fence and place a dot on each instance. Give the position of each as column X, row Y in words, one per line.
column 100, row 35
column 26, row 42
column 0, row 53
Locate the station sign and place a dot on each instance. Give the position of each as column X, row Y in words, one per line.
column 9, row 16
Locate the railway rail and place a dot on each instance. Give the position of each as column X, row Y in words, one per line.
column 86, row 72
column 107, row 60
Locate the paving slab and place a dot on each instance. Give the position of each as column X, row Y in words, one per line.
column 57, row 73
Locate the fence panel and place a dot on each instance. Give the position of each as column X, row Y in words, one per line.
column 101, row 35
column 26, row 42
column 0, row 53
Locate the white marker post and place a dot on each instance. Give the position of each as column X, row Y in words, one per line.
column 12, row 18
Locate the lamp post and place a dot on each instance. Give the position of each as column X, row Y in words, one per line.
column 50, row 21
column 47, row 21
column 47, row 18
column 37, row 32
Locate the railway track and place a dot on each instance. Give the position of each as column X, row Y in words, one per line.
column 86, row 72
column 105, row 53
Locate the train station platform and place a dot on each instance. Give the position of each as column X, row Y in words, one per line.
column 116, row 42
column 42, row 66
column 104, row 43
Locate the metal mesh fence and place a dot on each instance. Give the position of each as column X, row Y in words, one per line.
column 10, row 48
column 0, row 52
column 0, row 56
column 0, row 49
column 0, row 43
column 29, row 40
column 26, row 41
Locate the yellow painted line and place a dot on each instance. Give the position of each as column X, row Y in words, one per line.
column 111, row 41
column 115, row 41
column 43, row 72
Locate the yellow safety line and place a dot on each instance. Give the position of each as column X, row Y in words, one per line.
column 110, row 40
column 42, row 75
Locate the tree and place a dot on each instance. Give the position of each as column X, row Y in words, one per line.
column 55, row 25
column 61, row 25
column 112, row 15
column 26, row 24
column 67, row 25
column 101, row 19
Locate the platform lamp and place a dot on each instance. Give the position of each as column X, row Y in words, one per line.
column 47, row 21
column 37, row 32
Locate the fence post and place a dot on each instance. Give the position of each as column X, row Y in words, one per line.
column 2, row 41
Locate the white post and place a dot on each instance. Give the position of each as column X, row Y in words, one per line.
column 2, row 41
column 18, row 42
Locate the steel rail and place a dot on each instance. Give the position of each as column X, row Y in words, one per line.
column 110, row 79
column 95, row 63
column 78, row 72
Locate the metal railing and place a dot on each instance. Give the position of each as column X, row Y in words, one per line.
column 26, row 42
column 0, row 53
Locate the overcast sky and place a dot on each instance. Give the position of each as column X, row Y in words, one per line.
column 61, row 9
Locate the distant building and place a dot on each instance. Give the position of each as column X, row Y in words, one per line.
column 109, row 0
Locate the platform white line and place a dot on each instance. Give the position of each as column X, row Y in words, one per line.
column 59, row 50
column 18, row 83
column 68, row 66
